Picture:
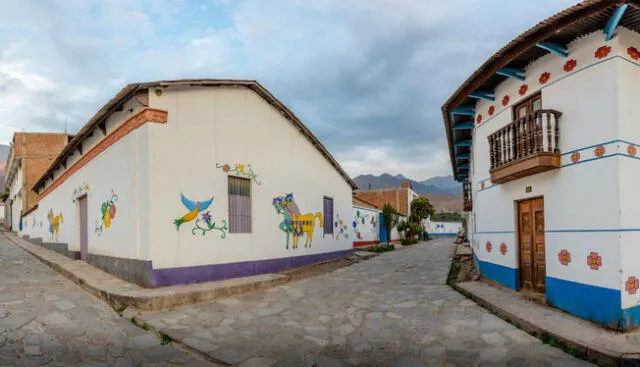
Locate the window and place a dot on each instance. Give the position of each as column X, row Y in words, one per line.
column 528, row 106
column 239, row 205
column 328, row 215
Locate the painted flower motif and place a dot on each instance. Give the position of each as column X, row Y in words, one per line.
column 481, row 185
column 505, row 100
column 492, row 110
column 479, row 119
column 544, row 78
column 240, row 168
column 206, row 217
column 575, row 156
column 632, row 150
column 600, row 151
column 503, row 248
column 564, row 256
column 226, row 168
column 570, row 65
column 631, row 285
column 634, row 53
column 523, row 89
column 594, row 261
column 602, row 52
column 488, row 246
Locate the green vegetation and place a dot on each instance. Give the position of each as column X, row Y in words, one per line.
column 390, row 217
column 408, row 241
column 381, row 248
column 421, row 209
column 446, row 217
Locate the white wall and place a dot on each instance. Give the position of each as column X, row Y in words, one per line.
column 230, row 126
column 588, row 99
column 15, row 194
column 436, row 228
column 364, row 224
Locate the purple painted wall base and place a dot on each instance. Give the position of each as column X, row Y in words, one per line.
column 208, row 273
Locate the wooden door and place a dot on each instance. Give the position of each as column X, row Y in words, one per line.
column 84, row 245
column 531, row 245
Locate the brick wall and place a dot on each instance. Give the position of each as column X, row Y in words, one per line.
column 398, row 198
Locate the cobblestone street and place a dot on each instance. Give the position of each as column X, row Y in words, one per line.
column 45, row 320
column 393, row 310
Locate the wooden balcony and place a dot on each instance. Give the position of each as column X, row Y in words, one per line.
column 525, row 147
column 467, row 197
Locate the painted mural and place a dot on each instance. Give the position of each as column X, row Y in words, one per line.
column 203, row 219
column 243, row 170
column 361, row 219
column 341, row 229
column 54, row 224
column 294, row 222
column 108, row 210
column 80, row 191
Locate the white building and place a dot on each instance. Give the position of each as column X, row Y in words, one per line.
column 196, row 180
column 546, row 137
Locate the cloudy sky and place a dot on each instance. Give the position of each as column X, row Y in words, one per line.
column 367, row 76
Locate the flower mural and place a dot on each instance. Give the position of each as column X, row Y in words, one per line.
column 602, row 52
column 54, row 224
column 631, row 285
column 243, row 170
column 633, row 53
column 503, row 248
column 575, row 157
column 361, row 219
column 564, row 256
column 570, row 65
column 523, row 89
column 594, row 261
column 632, row 150
column 197, row 212
column 492, row 110
column 479, row 119
column 481, row 185
column 488, row 246
column 544, row 78
column 505, row 100
column 600, row 151
column 80, row 191
column 108, row 210
column 341, row 229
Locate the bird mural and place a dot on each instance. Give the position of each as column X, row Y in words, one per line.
column 194, row 209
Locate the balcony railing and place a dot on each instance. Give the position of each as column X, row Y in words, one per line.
column 527, row 146
column 467, row 197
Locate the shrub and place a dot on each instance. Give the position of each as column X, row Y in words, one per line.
column 408, row 241
column 381, row 248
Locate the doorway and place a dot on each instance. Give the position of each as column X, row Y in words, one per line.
column 531, row 245
column 84, row 245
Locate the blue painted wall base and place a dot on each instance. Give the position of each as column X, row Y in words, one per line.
column 502, row 274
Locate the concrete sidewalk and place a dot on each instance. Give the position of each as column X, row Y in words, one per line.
column 121, row 294
column 595, row 343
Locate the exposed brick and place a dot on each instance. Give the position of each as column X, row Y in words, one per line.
column 397, row 198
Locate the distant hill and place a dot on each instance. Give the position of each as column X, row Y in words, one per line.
column 437, row 185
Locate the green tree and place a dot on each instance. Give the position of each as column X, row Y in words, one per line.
column 390, row 217
column 421, row 209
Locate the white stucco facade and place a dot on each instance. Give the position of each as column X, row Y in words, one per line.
column 590, row 201
column 143, row 174
column 364, row 225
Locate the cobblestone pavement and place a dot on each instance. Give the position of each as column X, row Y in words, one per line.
column 45, row 320
column 393, row 310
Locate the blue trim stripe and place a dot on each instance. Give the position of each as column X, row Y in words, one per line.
column 502, row 274
column 494, row 232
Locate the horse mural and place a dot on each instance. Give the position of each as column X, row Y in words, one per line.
column 294, row 222
column 54, row 224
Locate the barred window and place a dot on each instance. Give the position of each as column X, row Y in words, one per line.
column 328, row 215
column 239, row 205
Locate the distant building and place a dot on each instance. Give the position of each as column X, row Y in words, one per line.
column 30, row 154
column 399, row 198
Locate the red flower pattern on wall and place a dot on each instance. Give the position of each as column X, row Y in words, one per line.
column 503, row 248
column 523, row 89
column 488, row 246
column 600, row 151
column 634, row 53
column 631, row 285
column 505, row 100
column 570, row 65
column 632, row 150
column 564, row 256
column 479, row 119
column 594, row 261
column 602, row 52
column 492, row 109
column 544, row 78
column 575, row 156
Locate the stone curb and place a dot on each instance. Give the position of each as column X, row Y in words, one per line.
column 145, row 299
column 593, row 353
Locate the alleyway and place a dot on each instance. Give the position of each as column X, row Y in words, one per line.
column 394, row 310
column 47, row 320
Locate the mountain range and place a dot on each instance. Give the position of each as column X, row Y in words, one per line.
column 442, row 185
